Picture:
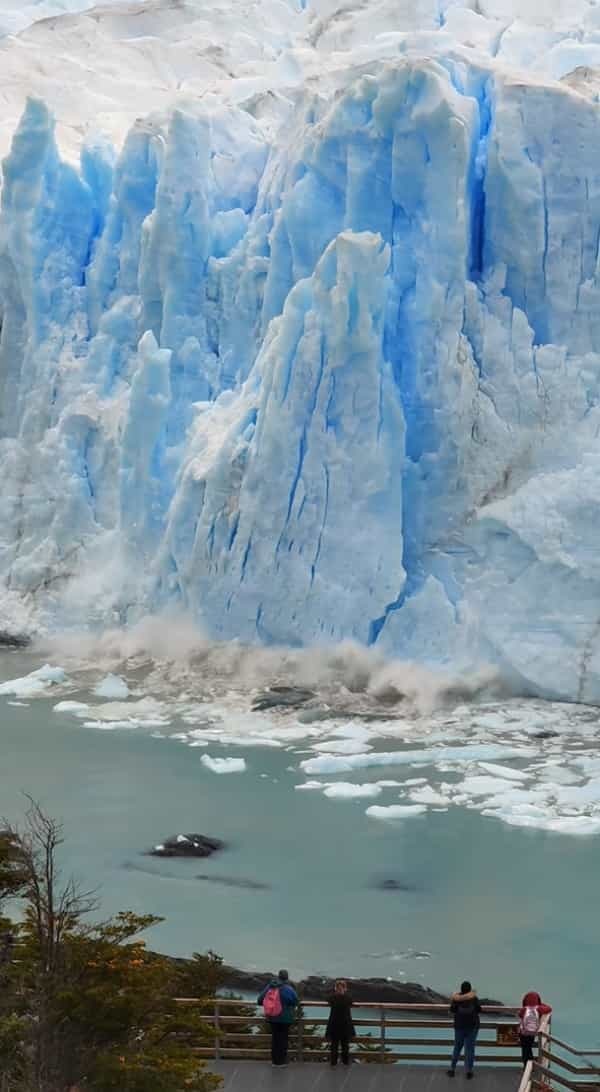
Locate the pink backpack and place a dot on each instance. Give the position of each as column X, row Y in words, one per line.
column 272, row 1002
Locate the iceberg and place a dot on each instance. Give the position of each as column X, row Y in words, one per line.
column 316, row 355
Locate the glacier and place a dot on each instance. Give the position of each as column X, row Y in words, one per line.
column 315, row 355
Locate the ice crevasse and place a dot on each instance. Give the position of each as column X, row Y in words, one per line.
column 340, row 385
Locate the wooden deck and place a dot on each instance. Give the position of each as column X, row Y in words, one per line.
column 318, row 1077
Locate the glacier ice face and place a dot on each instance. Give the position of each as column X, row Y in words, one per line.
column 342, row 383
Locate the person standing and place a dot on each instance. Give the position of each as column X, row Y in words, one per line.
column 465, row 1007
column 340, row 1029
column 530, row 1018
column 279, row 1000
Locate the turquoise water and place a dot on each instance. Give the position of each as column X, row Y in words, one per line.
column 510, row 908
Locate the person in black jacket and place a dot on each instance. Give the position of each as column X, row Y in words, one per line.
column 340, row 1029
column 465, row 1007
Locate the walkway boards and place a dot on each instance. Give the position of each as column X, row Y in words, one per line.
column 315, row 1077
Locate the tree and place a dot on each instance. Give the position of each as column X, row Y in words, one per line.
column 86, row 1004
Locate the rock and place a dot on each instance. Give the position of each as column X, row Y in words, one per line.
column 390, row 884
column 187, row 845
column 13, row 640
column 317, row 988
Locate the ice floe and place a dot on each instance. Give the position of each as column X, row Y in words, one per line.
column 223, row 765
column 395, row 811
column 346, row 790
column 34, row 684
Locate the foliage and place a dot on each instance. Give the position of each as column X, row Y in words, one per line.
column 85, row 1004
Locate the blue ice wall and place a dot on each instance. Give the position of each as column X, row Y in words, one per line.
column 343, row 385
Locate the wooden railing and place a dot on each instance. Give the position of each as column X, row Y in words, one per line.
column 385, row 1032
column 557, row 1067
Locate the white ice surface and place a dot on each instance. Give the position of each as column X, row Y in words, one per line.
column 395, row 811
column 346, row 790
column 223, row 765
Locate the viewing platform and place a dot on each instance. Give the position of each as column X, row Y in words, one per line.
column 243, row 1076
column 399, row 1047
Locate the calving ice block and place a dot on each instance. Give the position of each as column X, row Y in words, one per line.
column 322, row 365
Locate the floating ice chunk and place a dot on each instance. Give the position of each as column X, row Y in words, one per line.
column 341, row 746
column 146, row 711
column 346, row 790
column 581, row 824
column 245, row 741
column 223, row 765
column 75, row 707
column 352, row 730
column 309, row 785
column 112, row 687
column 590, row 766
column 504, row 771
column 29, row 686
column 428, row 795
column 49, row 674
column 111, row 725
column 482, row 786
column 560, row 775
column 578, row 796
column 469, row 753
column 395, row 811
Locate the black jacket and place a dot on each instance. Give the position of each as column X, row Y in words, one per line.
column 466, row 1013
column 339, row 1025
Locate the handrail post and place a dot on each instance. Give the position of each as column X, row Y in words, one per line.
column 543, row 1045
column 300, row 1051
column 382, row 1033
column 525, row 1084
column 217, row 1030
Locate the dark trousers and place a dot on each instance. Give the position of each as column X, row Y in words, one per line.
column 334, row 1047
column 464, row 1037
column 527, row 1042
column 279, row 1042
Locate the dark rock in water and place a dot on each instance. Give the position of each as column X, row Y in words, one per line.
column 317, row 988
column 234, row 881
column 393, row 885
column 546, row 733
column 286, row 696
column 13, row 640
column 187, row 845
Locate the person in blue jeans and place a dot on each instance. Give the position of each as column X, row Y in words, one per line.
column 465, row 1007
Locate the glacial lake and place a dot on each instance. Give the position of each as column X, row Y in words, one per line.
column 513, row 907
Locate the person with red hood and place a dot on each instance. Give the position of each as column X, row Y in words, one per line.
column 530, row 1018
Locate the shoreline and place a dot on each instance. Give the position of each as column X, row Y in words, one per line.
column 364, row 990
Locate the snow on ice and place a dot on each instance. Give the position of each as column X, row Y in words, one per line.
column 313, row 353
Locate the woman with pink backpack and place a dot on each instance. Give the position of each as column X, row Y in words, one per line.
column 530, row 1018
